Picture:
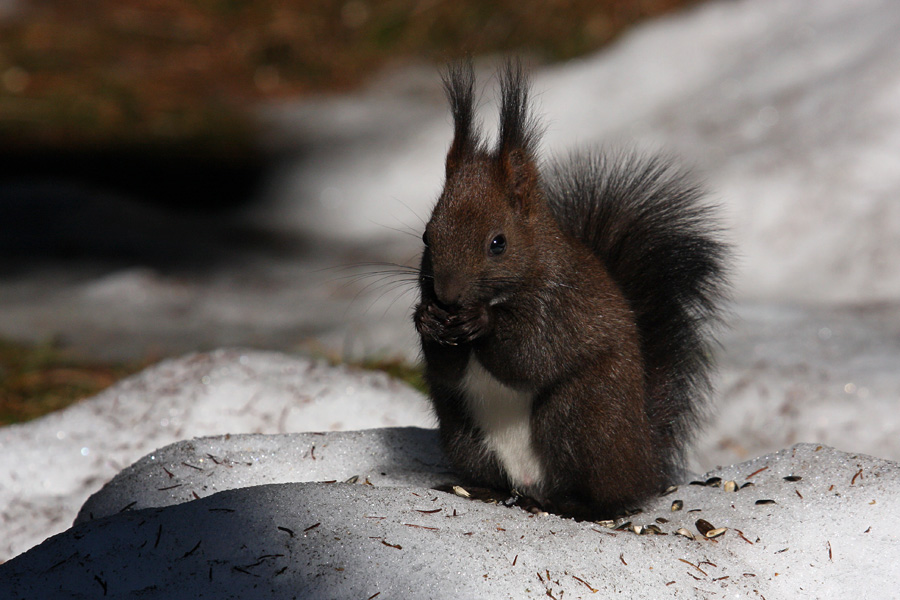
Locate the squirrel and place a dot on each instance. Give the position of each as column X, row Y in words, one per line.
column 565, row 312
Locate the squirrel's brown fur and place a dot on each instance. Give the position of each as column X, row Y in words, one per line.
column 564, row 313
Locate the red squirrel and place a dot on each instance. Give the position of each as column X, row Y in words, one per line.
column 565, row 312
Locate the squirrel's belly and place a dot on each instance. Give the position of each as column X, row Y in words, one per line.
column 504, row 417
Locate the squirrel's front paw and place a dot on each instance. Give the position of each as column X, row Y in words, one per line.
column 439, row 325
column 431, row 321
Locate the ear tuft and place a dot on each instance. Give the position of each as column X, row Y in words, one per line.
column 459, row 85
column 519, row 132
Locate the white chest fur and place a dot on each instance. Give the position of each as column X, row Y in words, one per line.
column 504, row 417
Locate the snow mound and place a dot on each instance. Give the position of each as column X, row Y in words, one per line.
column 188, row 470
column 64, row 457
column 816, row 523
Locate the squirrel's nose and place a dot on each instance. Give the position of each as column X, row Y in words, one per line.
column 449, row 290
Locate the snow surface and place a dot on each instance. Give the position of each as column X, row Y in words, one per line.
column 827, row 535
column 792, row 112
column 61, row 459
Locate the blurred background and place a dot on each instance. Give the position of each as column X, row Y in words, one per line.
column 138, row 151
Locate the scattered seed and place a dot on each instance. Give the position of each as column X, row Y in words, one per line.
column 828, row 544
column 515, row 559
column 397, row 546
column 669, row 490
column 766, row 501
column 622, row 558
column 792, row 478
column 353, row 479
column 311, row 527
column 461, row 491
column 714, row 533
column 703, row 526
column 747, row 484
column 782, row 550
column 375, row 595
column 685, row 533
column 721, row 578
column 609, row 524
column 858, row 474
column 730, row 486
column 697, row 483
column 637, row 529
column 799, row 494
column 429, row 512
column 661, row 520
column 654, row 529
column 624, row 526
column 713, row 482
column 677, row 505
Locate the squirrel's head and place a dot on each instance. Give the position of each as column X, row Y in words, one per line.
column 480, row 241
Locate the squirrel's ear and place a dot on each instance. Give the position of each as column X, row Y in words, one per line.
column 520, row 174
column 459, row 85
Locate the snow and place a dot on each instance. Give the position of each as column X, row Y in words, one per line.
column 64, row 457
column 827, row 535
column 791, row 110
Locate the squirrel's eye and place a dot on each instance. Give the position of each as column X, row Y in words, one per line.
column 425, row 237
column 498, row 245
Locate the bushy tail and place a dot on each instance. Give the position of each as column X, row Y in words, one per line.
column 646, row 220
